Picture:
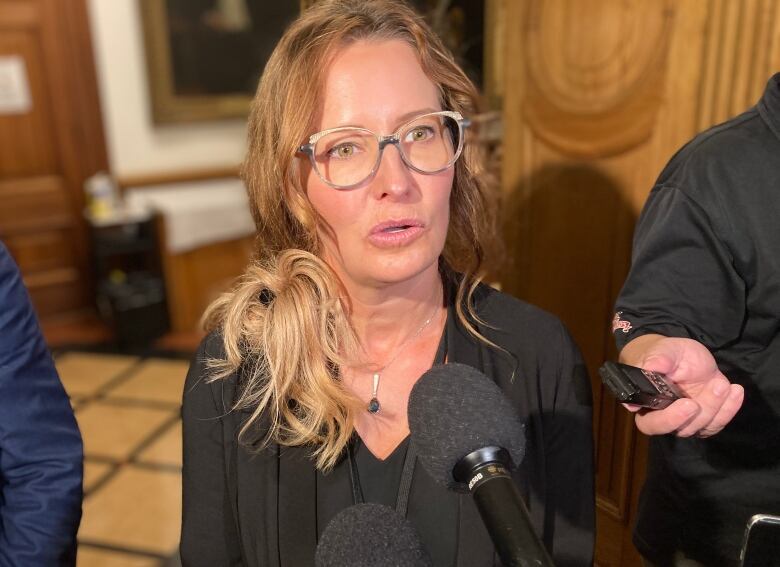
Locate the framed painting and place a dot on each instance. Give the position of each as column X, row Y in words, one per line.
column 204, row 57
column 474, row 31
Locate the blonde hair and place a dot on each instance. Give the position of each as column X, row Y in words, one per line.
column 285, row 326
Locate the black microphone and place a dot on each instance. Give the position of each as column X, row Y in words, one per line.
column 370, row 535
column 469, row 436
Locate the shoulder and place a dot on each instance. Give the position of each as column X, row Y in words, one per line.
column 210, row 348
column 22, row 346
column 540, row 362
column 722, row 158
column 16, row 314
column 512, row 318
column 532, row 341
column 728, row 141
column 212, row 345
column 210, row 397
column 201, row 390
column 7, row 265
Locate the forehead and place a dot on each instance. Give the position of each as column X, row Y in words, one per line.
column 375, row 84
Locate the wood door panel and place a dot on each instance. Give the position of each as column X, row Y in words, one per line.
column 47, row 152
column 570, row 205
column 18, row 15
column 33, row 203
column 28, row 146
column 54, row 292
column 594, row 98
column 37, row 251
column 741, row 51
column 598, row 95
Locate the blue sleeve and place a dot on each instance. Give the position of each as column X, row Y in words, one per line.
column 41, row 454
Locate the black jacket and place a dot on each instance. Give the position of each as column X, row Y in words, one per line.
column 251, row 509
column 706, row 266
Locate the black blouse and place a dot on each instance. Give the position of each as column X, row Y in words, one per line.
column 431, row 508
column 250, row 508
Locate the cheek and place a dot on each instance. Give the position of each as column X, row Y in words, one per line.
column 319, row 194
column 334, row 207
column 441, row 192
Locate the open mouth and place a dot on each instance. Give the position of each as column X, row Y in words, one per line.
column 396, row 232
column 397, row 228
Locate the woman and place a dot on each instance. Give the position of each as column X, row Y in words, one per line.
column 372, row 223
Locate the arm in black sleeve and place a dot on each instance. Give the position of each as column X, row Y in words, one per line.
column 682, row 281
column 41, row 454
column 569, row 466
column 209, row 535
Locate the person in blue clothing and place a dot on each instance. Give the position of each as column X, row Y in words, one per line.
column 41, row 454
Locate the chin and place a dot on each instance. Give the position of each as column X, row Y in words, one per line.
column 394, row 273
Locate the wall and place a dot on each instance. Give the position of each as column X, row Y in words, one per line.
column 136, row 146
column 598, row 95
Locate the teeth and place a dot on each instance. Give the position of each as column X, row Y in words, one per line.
column 395, row 229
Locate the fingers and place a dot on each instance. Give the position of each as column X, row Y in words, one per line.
column 672, row 418
column 735, row 397
column 660, row 362
column 703, row 416
column 711, row 400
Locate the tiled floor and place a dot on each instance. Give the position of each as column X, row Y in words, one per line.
column 128, row 412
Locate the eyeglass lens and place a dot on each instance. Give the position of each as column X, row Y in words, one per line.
column 347, row 157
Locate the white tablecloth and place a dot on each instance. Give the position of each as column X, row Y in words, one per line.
column 197, row 213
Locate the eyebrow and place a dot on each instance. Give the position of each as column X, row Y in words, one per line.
column 400, row 121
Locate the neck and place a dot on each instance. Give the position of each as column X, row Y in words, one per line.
column 387, row 316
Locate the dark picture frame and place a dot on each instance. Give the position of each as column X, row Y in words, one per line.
column 202, row 65
column 204, row 57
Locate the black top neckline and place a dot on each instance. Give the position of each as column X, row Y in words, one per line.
column 361, row 447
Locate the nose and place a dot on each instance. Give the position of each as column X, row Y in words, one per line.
column 393, row 178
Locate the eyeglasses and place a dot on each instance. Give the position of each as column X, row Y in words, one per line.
column 346, row 157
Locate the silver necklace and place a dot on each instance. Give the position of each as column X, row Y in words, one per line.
column 373, row 405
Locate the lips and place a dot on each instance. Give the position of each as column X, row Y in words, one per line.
column 395, row 226
column 395, row 232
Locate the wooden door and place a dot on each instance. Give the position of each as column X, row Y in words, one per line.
column 597, row 96
column 48, row 148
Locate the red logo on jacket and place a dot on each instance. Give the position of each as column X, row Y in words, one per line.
column 620, row 324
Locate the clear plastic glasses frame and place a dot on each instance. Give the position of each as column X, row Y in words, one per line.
column 456, row 122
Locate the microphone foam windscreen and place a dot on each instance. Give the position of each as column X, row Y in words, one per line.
column 370, row 535
column 455, row 409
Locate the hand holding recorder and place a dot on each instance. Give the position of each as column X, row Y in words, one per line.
column 636, row 386
column 708, row 401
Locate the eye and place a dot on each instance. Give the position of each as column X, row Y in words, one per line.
column 343, row 151
column 420, row 134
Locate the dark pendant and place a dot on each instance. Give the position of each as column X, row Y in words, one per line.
column 373, row 406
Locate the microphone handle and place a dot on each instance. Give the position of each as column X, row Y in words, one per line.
column 506, row 518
